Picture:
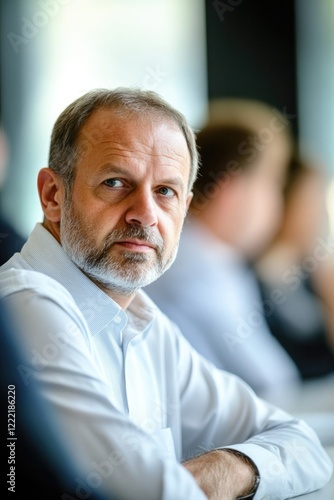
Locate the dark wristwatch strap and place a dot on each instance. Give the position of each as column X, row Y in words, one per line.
column 250, row 462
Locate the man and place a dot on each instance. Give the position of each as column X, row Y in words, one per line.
column 146, row 416
column 211, row 291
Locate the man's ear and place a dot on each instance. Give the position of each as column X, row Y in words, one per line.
column 189, row 198
column 51, row 194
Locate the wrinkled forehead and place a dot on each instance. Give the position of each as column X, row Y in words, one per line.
column 129, row 127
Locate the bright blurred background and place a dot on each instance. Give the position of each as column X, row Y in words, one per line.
column 189, row 51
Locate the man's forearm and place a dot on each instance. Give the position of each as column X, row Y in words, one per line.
column 222, row 475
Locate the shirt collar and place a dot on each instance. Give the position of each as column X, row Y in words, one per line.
column 44, row 254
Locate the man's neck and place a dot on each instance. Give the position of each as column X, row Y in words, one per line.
column 122, row 299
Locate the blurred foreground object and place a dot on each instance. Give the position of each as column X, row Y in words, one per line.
column 36, row 461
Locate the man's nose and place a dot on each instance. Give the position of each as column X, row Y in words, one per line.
column 143, row 209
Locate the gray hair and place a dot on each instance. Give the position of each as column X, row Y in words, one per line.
column 65, row 146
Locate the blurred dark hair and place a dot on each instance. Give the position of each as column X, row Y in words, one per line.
column 298, row 169
column 224, row 151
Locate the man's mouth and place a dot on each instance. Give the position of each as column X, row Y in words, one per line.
column 136, row 245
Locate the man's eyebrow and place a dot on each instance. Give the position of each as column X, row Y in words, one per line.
column 113, row 170
column 173, row 181
column 110, row 169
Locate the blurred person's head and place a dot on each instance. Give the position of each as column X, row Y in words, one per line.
column 238, row 193
column 270, row 129
column 266, row 121
column 305, row 214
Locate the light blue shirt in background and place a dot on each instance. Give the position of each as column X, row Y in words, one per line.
column 213, row 296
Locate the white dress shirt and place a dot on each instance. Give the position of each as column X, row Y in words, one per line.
column 133, row 398
column 214, row 298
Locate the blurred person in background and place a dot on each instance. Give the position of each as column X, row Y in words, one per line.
column 299, row 266
column 10, row 240
column 211, row 290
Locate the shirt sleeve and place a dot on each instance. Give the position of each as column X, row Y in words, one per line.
column 220, row 410
column 112, row 453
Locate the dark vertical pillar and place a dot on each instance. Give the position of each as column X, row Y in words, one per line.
column 251, row 50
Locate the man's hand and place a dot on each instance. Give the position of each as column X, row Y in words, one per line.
column 222, row 475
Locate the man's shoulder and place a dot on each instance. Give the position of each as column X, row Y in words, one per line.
column 15, row 280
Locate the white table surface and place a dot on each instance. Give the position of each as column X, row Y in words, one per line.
column 314, row 402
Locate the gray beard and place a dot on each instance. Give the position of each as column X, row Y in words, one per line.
column 123, row 274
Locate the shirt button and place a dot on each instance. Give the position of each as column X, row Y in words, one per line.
column 117, row 319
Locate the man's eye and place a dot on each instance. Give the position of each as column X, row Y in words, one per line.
column 113, row 183
column 166, row 191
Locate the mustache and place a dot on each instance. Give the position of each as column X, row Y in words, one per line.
column 142, row 233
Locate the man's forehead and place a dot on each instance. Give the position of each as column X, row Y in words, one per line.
column 100, row 123
column 104, row 120
column 147, row 131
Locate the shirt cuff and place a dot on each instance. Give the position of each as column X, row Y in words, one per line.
column 271, row 470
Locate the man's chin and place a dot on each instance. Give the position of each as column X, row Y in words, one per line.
column 119, row 282
column 135, row 257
